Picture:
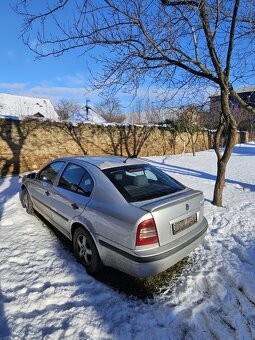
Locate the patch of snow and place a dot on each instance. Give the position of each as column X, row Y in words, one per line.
column 46, row 293
column 21, row 107
column 83, row 117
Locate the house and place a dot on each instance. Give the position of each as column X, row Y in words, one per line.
column 86, row 116
column 20, row 107
column 246, row 93
column 245, row 120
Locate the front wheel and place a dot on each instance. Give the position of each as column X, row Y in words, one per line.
column 86, row 251
column 26, row 201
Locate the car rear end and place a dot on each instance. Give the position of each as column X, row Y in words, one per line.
column 174, row 232
column 173, row 223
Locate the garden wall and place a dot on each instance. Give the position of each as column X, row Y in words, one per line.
column 29, row 144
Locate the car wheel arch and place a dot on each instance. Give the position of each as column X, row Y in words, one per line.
column 28, row 203
column 76, row 225
column 23, row 187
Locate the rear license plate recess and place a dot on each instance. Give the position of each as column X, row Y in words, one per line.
column 184, row 224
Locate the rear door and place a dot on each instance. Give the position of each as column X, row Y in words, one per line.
column 71, row 195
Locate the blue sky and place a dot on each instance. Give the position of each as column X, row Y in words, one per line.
column 20, row 73
column 54, row 78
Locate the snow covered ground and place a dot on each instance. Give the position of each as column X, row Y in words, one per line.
column 45, row 293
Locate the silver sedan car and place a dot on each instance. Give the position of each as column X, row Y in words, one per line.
column 118, row 212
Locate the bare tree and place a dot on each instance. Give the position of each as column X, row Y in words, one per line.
column 65, row 108
column 110, row 110
column 179, row 44
column 144, row 111
column 138, row 113
column 189, row 120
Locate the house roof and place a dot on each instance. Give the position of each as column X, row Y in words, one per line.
column 243, row 89
column 20, row 107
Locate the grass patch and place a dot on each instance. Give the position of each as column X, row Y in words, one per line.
column 142, row 288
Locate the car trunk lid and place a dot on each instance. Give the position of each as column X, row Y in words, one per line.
column 175, row 215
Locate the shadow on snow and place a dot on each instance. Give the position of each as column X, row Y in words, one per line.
column 11, row 184
column 247, row 149
column 174, row 169
column 123, row 283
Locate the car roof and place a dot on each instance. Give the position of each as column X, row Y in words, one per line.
column 105, row 162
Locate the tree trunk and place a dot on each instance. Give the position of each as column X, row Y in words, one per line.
column 219, row 184
column 228, row 120
column 193, row 145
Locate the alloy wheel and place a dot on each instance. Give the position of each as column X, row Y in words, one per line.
column 84, row 249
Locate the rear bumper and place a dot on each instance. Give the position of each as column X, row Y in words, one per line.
column 143, row 265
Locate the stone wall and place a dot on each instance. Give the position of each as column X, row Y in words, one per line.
column 29, row 144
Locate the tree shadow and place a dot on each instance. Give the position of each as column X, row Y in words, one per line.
column 5, row 332
column 247, row 149
column 199, row 174
column 123, row 140
column 9, row 187
column 76, row 133
column 112, row 143
column 14, row 133
column 133, row 138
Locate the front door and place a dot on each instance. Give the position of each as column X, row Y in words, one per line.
column 41, row 188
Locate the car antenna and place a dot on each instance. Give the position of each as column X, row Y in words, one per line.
column 125, row 160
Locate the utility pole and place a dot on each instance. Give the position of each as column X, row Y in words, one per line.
column 87, row 109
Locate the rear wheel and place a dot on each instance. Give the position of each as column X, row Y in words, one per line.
column 86, row 251
column 26, row 201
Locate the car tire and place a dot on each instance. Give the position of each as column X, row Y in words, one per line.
column 26, row 201
column 86, row 252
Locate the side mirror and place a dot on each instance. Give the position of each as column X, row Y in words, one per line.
column 31, row 175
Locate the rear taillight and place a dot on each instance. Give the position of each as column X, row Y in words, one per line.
column 146, row 233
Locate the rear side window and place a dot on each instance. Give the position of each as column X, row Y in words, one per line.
column 50, row 172
column 142, row 182
column 75, row 178
column 86, row 185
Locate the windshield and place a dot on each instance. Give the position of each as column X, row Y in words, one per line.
column 142, row 182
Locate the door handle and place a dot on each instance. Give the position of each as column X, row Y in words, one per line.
column 47, row 193
column 75, row 206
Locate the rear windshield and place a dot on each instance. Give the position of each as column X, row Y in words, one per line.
column 142, row 182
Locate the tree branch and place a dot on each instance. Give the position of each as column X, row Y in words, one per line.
column 180, row 3
column 231, row 38
column 209, row 39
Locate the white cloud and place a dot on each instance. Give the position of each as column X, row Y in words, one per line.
column 73, row 80
column 12, row 86
column 79, row 94
column 55, row 93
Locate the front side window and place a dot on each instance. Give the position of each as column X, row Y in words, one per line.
column 142, row 182
column 75, row 178
column 50, row 172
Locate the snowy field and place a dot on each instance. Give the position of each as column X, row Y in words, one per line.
column 46, row 294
